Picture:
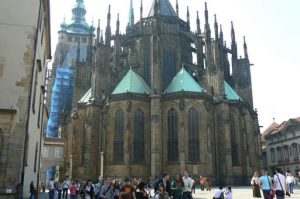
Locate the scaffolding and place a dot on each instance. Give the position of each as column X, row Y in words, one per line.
column 61, row 100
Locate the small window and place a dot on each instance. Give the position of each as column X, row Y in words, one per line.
column 70, row 38
column 77, row 39
column 84, row 40
column 46, row 152
column 58, row 152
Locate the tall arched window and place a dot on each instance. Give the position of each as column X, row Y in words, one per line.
column 193, row 136
column 286, row 154
column 272, row 150
column 295, row 151
column 279, row 154
column 234, row 143
column 138, row 139
column 172, row 136
column 118, row 151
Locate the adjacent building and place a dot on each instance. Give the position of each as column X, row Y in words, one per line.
column 282, row 146
column 73, row 57
column 24, row 55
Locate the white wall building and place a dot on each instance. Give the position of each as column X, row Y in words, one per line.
column 24, row 54
column 283, row 145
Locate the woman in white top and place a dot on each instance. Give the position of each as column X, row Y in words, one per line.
column 228, row 193
column 255, row 182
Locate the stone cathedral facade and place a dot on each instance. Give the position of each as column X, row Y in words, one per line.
column 162, row 98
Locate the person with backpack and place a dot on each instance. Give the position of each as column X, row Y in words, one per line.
column 106, row 190
column 65, row 185
column 73, row 191
column 265, row 184
column 279, row 184
column 98, row 187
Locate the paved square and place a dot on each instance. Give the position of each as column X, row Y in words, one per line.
column 238, row 193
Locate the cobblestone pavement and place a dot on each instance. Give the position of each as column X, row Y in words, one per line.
column 237, row 193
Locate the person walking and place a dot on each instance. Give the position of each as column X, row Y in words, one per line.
column 255, row 182
column 51, row 187
column 89, row 190
column 279, row 184
column 265, row 184
column 73, row 191
column 141, row 192
column 59, row 189
column 161, row 193
column 188, row 184
column 177, row 187
column 228, row 193
column 106, row 191
column 165, row 181
column 31, row 188
column 65, row 186
column 290, row 181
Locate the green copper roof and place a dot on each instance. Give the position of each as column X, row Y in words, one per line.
column 131, row 15
column 86, row 97
column 78, row 24
column 231, row 93
column 132, row 83
column 183, row 81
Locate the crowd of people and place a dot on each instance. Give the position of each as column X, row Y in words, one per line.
column 278, row 185
column 181, row 187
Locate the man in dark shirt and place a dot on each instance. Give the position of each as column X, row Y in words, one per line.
column 165, row 181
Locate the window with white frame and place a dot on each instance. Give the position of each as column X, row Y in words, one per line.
column 46, row 152
column 273, row 158
column 58, row 152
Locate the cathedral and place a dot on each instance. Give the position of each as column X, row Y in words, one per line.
column 161, row 98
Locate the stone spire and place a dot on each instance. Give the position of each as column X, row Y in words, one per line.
column 98, row 32
column 188, row 17
column 221, row 35
column 141, row 10
column 108, row 29
column 177, row 8
column 216, row 28
column 118, row 25
column 245, row 48
column 233, row 43
column 207, row 27
column 198, row 24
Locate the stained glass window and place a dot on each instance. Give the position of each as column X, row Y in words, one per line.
column 234, row 143
column 172, row 136
column 193, row 136
column 118, row 151
column 138, row 140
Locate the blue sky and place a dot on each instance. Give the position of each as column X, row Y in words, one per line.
column 272, row 30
